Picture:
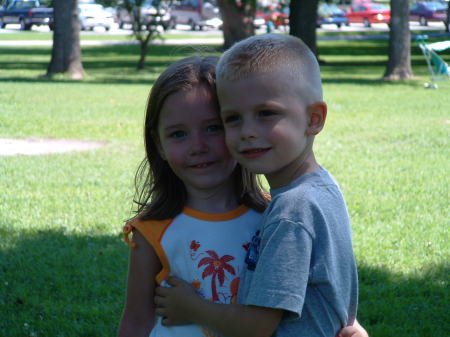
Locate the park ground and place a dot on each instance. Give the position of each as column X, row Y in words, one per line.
column 63, row 262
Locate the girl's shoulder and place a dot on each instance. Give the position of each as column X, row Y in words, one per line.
column 150, row 229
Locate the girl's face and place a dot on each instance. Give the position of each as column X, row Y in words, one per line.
column 192, row 141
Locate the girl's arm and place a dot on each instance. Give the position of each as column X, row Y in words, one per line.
column 139, row 312
column 180, row 305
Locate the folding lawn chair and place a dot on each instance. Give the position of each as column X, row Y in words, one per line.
column 436, row 65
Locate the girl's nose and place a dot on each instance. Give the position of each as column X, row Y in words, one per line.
column 199, row 144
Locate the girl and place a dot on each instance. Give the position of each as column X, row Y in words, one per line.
column 197, row 208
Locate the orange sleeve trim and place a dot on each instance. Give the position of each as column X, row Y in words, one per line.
column 127, row 229
column 216, row 216
column 153, row 230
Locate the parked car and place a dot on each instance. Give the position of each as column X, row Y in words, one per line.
column 368, row 13
column 153, row 12
column 428, row 11
column 259, row 20
column 331, row 14
column 198, row 14
column 26, row 13
column 94, row 15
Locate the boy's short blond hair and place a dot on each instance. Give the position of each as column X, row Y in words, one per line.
column 269, row 53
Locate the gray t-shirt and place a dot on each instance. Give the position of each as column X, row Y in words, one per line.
column 302, row 261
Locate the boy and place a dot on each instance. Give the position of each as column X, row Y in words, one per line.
column 301, row 277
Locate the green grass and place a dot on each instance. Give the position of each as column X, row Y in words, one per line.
column 63, row 263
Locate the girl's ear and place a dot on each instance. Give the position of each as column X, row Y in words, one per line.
column 317, row 113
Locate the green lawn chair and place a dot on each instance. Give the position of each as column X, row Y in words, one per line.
column 439, row 70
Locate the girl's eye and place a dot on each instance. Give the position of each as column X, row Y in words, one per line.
column 266, row 113
column 231, row 119
column 214, row 128
column 177, row 134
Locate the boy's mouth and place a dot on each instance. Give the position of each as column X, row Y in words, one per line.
column 255, row 152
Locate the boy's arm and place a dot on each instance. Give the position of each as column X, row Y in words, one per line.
column 180, row 304
column 138, row 316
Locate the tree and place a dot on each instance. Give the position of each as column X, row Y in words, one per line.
column 215, row 267
column 66, row 51
column 399, row 64
column 303, row 21
column 144, row 27
column 237, row 16
column 447, row 21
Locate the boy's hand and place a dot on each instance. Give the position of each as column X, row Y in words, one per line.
column 355, row 330
column 176, row 303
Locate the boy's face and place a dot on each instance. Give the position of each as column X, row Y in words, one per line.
column 268, row 125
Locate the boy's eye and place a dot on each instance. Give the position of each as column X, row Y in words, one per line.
column 177, row 134
column 231, row 119
column 214, row 128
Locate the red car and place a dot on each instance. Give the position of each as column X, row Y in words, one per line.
column 368, row 13
column 278, row 16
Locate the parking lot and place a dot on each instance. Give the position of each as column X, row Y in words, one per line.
column 183, row 29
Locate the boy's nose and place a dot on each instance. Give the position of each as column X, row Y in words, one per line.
column 248, row 130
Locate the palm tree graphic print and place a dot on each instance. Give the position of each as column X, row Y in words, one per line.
column 216, row 267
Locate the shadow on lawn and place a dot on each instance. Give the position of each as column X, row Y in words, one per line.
column 105, row 64
column 58, row 284
column 73, row 285
column 117, row 64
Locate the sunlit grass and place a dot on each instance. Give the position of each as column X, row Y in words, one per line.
column 62, row 261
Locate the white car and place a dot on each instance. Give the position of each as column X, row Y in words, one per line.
column 152, row 13
column 197, row 14
column 94, row 15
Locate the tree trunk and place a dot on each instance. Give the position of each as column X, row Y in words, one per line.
column 66, row 51
column 447, row 21
column 144, row 41
column 303, row 22
column 399, row 64
column 237, row 20
column 144, row 31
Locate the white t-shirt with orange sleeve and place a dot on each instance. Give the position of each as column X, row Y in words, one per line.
column 207, row 250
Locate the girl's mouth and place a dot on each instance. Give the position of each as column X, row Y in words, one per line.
column 201, row 165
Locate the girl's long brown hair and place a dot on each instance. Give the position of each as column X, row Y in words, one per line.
column 160, row 194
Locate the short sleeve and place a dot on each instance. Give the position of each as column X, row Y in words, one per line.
column 281, row 274
column 152, row 230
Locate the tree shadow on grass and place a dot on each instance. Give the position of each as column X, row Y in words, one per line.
column 56, row 283
column 103, row 64
column 117, row 64
column 398, row 305
column 59, row 284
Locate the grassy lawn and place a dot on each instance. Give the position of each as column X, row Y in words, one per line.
column 63, row 263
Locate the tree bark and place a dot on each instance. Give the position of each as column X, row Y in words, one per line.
column 66, row 51
column 447, row 21
column 143, row 31
column 237, row 19
column 303, row 22
column 144, row 39
column 399, row 64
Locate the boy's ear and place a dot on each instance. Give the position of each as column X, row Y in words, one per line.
column 317, row 113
